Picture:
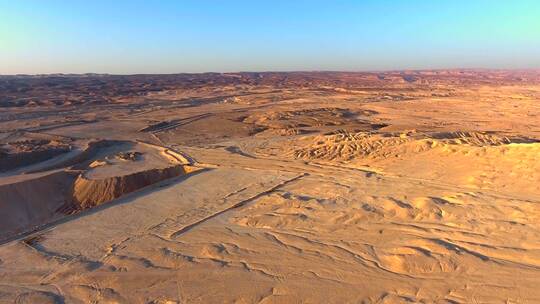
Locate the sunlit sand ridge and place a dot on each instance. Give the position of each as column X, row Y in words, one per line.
column 419, row 187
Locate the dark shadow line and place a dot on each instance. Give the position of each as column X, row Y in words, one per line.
column 126, row 199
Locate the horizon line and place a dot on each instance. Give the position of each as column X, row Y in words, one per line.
column 277, row 71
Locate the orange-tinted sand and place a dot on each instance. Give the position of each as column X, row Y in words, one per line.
column 397, row 187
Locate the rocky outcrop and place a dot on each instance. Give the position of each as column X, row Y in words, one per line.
column 88, row 193
column 30, row 203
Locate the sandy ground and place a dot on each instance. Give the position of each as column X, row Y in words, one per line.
column 290, row 188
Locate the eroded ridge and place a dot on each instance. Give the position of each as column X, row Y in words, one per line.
column 88, row 174
column 323, row 187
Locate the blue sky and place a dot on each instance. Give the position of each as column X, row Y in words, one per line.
column 136, row 36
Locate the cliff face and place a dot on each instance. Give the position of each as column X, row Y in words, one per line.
column 88, row 193
column 58, row 177
column 32, row 202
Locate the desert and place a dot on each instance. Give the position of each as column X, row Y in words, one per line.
column 413, row 186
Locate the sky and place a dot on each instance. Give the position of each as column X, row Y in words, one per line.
column 161, row 36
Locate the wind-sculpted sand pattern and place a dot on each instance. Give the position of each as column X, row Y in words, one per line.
column 346, row 146
column 398, row 187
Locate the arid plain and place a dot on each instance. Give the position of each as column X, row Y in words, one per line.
column 301, row 187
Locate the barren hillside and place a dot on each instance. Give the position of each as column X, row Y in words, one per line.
column 391, row 187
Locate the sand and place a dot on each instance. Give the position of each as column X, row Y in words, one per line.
column 413, row 187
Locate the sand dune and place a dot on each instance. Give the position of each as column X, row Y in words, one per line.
column 396, row 187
